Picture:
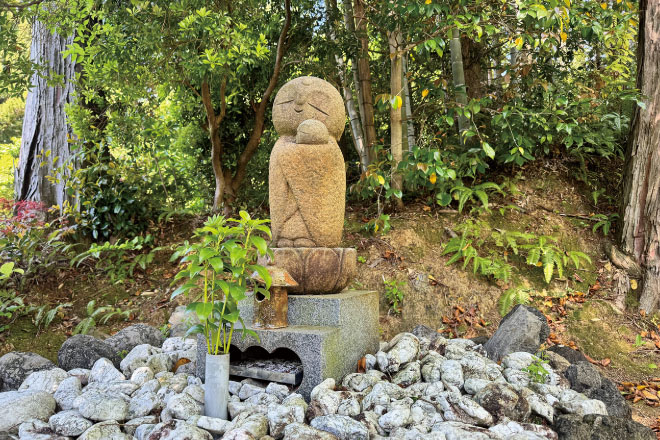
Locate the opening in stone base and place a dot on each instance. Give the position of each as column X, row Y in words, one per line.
column 282, row 365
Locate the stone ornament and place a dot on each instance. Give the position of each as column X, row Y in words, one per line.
column 307, row 178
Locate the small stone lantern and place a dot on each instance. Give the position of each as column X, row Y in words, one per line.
column 272, row 313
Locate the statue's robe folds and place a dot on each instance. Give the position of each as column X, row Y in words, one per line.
column 307, row 192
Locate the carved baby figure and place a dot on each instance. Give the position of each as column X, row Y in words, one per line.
column 307, row 179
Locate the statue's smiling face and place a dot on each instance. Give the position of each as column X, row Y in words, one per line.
column 308, row 98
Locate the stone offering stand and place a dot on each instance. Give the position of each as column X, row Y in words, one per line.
column 328, row 333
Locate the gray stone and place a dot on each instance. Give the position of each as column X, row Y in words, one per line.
column 214, row 425
column 523, row 431
column 610, row 395
column 572, row 356
column 37, row 430
column 109, row 430
column 403, row 348
column 399, row 414
column 104, row 371
column 408, row 375
column 132, row 425
column 279, row 416
column 143, row 405
column 137, row 358
column 82, row 351
column 234, row 387
column 183, row 406
column 453, row 430
column 124, row 387
column 248, row 390
column 256, row 424
column 583, row 376
column 518, row 360
column 319, row 326
column 16, row 366
column 590, row 427
column 196, row 392
column 474, row 385
column 524, row 328
column 179, row 344
column 451, row 372
column 82, row 374
column 142, row 375
column 17, row 407
column 128, row 338
column 44, row 380
column 101, row 407
column 342, row 427
column 178, row 430
column 278, row 390
column 67, row 392
column 160, row 362
column 142, row 432
column 299, row 431
column 69, row 423
column 503, row 401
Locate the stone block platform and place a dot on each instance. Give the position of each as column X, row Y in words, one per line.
column 328, row 333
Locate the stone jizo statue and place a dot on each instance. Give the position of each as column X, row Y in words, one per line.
column 307, row 178
column 307, row 186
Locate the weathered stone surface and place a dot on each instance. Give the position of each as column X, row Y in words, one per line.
column 100, row 407
column 609, row 394
column 583, row 376
column 16, row 366
column 103, row 371
column 589, row 427
column 503, row 401
column 572, row 356
column 17, row 407
column 307, row 180
column 178, row 430
column 403, row 348
column 299, row 431
column 342, row 427
column 321, row 270
column 67, row 392
column 408, row 375
column 69, row 423
column 130, row 337
column 81, row 351
column 143, row 405
column 524, row 328
column 109, row 430
column 132, row 425
column 37, row 430
column 214, row 425
column 44, row 380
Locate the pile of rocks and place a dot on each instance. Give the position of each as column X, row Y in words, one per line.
column 418, row 386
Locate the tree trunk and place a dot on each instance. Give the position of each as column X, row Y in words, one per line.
column 349, row 102
column 396, row 124
column 640, row 211
column 472, row 52
column 410, row 127
column 44, row 143
column 364, row 74
column 458, row 79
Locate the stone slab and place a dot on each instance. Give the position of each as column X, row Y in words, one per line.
column 329, row 333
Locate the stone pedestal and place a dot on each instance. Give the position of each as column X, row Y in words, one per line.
column 329, row 333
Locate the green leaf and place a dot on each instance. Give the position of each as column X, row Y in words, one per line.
column 263, row 273
column 488, row 150
column 260, row 244
column 216, row 263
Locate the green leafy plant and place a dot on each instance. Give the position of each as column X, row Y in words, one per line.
column 394, row 294
column 218, row 273
column 45, row 315
column 99, row 315
column 605, row 222
column 380, row 225
column 545, row 252
column 119, row 260
column 537, row 370
column 11, row 307
column 462, row 248
column 474, row 194
column 512, row 297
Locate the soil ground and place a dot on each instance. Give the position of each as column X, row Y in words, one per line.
column 549, row 200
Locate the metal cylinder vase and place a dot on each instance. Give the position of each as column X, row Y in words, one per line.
column 216, row 388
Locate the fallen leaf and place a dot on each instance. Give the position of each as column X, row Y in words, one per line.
column 180, row 362
column 362, row 365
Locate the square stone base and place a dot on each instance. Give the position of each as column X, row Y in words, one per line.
column 328, row 333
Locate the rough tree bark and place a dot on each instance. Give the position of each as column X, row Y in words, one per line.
column 458, row 78
column 410, row 126
column 364, row 78
column 44, row 146
column 472, row 52
column 357, row 134
column 395, row 40
column 640, row 210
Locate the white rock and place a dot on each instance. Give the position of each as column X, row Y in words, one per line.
column 248, row 390
column 69, row 423
column 143, row 405
column 518, row 360
column 214, row 425
column 474, row 385
column 183, row 406
column 452, row 372
column 279, row 416
column 132, row 425
column 343, row 427
column 278, row 390
column 196, row 392
column 44, row 380
column 103, row 371
column 108, row 430
column 67, row 392
column 37, row 430
column 178, row 343
column 398, row 415
column 137, row 358
column 82, row 374
column 142, row 375
column 100, row 407
column 17, row 407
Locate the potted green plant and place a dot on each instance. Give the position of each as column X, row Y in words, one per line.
column 217, row 275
